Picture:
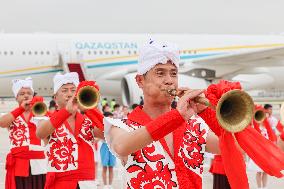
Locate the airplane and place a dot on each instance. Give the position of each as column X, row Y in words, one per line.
column 111, row 60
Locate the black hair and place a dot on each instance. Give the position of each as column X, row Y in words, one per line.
column 266, row 106
column 108, row 114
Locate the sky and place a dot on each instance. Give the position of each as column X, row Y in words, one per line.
column 144, row 16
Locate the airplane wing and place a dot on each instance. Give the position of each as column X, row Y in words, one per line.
column 230, row 64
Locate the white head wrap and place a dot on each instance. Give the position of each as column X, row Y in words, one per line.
column 61, row 79
column 154, row 53
column 22, row 83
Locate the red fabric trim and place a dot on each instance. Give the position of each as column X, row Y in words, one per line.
column 164, row 124
column 139, row 116
column 282, row 136
column 17, row 112
column 55, row 180
column 209, row 116
column 96, row 117
column 21, row 153
column 58, row 118
column 264, row 152
column 280, row 127
column 271, row 135
column 217, row 166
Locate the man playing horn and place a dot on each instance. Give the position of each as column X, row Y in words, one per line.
column 71, row 135
column 159, row 146
column 25, row 163
column 163, row 147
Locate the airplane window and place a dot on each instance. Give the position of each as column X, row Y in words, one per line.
column 101, row 52
column 30, row 52
column 95, row 52
column 78, row 52
column 89, row 52
column 41, row 52
column 24, row 53
column 35, row 52
column 11, row 52
column 129, row 52
column 112, row 52
column 134, row 52
column 47, row 52
column 117, row 52
column 106, row 52
column 0, row 52
column 5, row 53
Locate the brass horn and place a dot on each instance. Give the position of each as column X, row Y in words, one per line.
column 88, row 97
column 39, row 109
column 234, row 110
column 259, row 115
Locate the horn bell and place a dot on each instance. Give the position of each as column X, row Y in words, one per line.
column 88, row 97
column 259, row 116
column 234, row 110
column 39, row 109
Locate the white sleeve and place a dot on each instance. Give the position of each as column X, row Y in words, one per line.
column 36, row 120
column 108, row 124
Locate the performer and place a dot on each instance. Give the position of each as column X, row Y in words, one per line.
column 162, row 147
column 265, row 129
column 156, row 145
column 26, row 162
column 270, row 118
column 220, row 180
column 71, row 135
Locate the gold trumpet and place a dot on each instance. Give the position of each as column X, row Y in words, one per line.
column 39, row 109
column 234, row 110
column 88, row 97
column 259, row 115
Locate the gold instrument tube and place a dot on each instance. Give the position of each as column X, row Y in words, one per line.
column 234, row 110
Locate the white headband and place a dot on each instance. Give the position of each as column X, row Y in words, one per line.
column 154, row 53
column 22, row 83
column 61, row 79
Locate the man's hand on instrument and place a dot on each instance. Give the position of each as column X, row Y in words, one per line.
column 186, row 106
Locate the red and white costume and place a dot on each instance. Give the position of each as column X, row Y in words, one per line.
column 26, row 152
column 71, row 155
column 154, row 165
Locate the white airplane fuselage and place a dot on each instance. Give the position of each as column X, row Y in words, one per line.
column 107, row 58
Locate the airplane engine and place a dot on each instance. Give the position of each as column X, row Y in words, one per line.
column 131, row 93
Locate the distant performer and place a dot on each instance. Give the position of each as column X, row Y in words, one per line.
column 26, row 163
column 70, row 150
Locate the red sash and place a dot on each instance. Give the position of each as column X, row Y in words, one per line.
column 217, row 166
column 70, row 176
column 21, row 153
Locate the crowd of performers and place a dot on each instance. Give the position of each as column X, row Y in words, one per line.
column 157, row 145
